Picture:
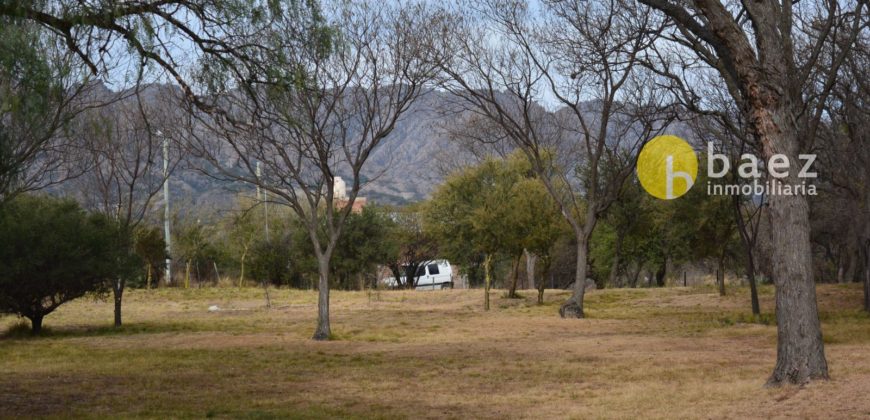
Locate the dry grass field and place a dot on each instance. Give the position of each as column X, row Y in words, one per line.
column 651, row 353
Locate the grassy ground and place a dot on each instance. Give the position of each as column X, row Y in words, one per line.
column 675, row 353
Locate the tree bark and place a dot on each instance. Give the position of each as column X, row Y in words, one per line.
column 323, row 332
column 573, row 307
column 36, row 324
column 867, row 278
column 800, row 349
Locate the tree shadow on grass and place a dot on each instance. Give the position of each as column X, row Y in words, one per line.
column 21, row 330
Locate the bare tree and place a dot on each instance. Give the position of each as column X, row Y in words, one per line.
column 325, row 105
column 841, row 214
column 584, row 58
column 779, row 61
column 124, row 146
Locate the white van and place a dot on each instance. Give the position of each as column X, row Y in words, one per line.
column 433, row 275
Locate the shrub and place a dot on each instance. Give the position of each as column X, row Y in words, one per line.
column 52, row 252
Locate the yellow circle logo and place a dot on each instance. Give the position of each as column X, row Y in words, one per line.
column 667, row 167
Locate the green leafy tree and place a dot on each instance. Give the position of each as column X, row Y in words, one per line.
column 52, row 252
column 365, row 243
column 39, row 92
column 151, row 248
column 410, row 247
column 494, row 208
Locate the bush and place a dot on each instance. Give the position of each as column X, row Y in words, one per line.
column 270, row 261
column 52, row 252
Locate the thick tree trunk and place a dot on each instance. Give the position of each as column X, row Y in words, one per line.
column 531, row 260
column 36, row 324
column 573, row 307
column 323, row 332
column 800, row 349
column 118, row 292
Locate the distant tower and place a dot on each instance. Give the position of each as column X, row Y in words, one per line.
column 339, row 189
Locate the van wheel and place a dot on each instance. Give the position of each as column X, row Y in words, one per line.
column 445, row 286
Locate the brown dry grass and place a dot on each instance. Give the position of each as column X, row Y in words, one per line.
column 655, row 353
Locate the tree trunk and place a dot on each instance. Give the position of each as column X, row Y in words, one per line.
column 636, row 274
column 487, row 262
column 512, row 294
column 323, row 332
column 800, row 350
column 661, row 272
column 867, row 278
column 573, row 307
column 118, row 292
column 265, row 284
column 720, row 275
column 748, row 246
column 531, row 260
column 753, row 289
column 148, row 276
column 544, row 273
column 851, row 266
column 36, row 324
column 242, row 269
column 614, row 267
column 187, row 275
column 841, row 267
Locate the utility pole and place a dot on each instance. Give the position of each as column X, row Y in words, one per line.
column 265, row 201
column 166, row 235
